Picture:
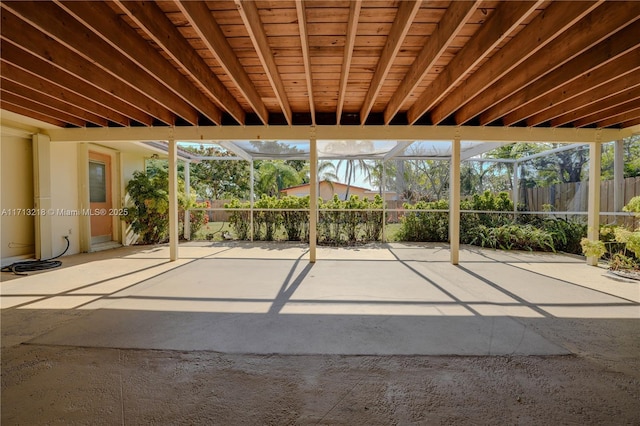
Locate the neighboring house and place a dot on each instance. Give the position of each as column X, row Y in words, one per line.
column 52, row 190
column 328, row 189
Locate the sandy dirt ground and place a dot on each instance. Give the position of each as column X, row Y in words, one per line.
column 599, row 384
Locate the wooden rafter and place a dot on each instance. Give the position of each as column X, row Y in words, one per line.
column 589, row 102
column 536, row 63
column 611, row 107
column 352, row 27
column 617, row 45
column 617, row 76
column 453, row 21
column 18, row 75
column 58, row 24
column 628, row 115
column 544, row 28
column 105, row 23
column 22, row 37
column 50, row 101
column 407, row 11
column 589, row 31
column 18, row 109
column 251, row 18
column 212, row 36
column 499, row 25
column 304, row 41
column 46, row 110
column 57, row 76
column 150, row 18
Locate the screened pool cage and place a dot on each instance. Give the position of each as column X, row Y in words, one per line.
column 390, row 161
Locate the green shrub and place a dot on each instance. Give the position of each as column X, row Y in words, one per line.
column 296, row 223
column 425, row 226
column 148, row 215
column 239, row 220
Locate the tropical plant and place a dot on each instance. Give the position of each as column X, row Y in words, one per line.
column 148, row 214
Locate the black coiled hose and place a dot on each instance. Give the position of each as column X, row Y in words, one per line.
column 21, row 268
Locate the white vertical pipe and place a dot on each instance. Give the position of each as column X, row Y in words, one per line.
column 313, row 197
column 173, row 200
column 454, row 201
column 593, row 209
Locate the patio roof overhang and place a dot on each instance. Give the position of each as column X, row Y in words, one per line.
column 536, row 64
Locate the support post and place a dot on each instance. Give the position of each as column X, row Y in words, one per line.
column 384, row 203
column 251, row 194
column 454, row 201
column 313, row 196
column 618, row 177
column 593, row 209
column 173, row 200
column 187, row 193
column 42, row 195
column 514, row 185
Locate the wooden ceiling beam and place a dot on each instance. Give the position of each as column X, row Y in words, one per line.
column 500, row 24
column 105, row 23
column 599, row 24
column 31, row 105
column 57, row 76
column 28, row 113
column 150, row 18
column 626, row 116
column 13, row 73
column 304, row 44
column 407, row 11
column 622, row 42
column 21, row 36
column 544, row 28
column 58, row 24
column 452, row 22
column 251, row 18
column 610, row 107
column 615, row 77
column 352, row 28
column 50, row 101
column 202, row 21
column 631, row 123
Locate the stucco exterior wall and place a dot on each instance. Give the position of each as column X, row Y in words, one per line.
column 64, row 198
column 17, row 237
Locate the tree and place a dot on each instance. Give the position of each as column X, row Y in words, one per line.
column 273, row 176
column 219, row 179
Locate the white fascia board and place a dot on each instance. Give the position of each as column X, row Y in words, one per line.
column 400, row 133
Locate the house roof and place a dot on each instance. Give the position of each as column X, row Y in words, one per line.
column 306, row 185
column 546, row 64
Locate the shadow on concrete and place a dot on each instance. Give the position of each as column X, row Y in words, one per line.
column 403, row 300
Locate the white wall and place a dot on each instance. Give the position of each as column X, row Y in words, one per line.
column 17, row 237
column 64, row 197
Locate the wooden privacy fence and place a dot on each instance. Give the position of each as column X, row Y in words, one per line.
column 574, row 197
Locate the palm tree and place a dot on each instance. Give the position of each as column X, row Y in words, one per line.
column 273, row 176
column 352, row 166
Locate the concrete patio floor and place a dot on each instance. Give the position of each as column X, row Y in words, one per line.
column 262, row 300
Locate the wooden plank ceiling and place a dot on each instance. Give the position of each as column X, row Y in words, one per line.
column 279, row 62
